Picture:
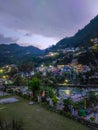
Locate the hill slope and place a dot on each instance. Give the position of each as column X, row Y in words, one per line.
column 13, row 53
column 81, row 38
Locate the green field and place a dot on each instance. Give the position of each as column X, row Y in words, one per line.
column 36, row 117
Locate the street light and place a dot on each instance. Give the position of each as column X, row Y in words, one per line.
column 1, row 70
column 66, row 81
column 42, row 65
column 4, row 77
column 68, row 92
column 50, row 66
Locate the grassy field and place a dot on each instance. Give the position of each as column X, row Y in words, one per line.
column 36, row 117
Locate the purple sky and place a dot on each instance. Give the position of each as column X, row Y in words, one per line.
column 43, row 23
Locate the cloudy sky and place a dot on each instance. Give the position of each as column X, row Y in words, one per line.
column 42, row 23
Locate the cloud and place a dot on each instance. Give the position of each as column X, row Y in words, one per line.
column 28, row 34
column 39, row 41
column 49, row 18
column 7, row 40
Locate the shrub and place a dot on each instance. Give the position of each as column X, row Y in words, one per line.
column 92, row 118
column 54, row 99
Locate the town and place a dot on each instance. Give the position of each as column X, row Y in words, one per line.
column 68, row 89
column 48, row 65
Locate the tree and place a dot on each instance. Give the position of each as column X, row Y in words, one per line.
column 18, row 80
column 11, row 71
column 92, row 97
column 68, row 101
column 34, row 85
column 26, row 67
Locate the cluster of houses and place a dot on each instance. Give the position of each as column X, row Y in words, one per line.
column 72, row 69
column 65, row 68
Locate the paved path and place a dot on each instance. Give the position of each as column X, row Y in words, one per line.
column 8, row 100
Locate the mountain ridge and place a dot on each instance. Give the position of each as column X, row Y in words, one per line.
column 81, row 38
column 14, row 53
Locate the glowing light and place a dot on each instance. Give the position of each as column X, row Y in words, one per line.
column 4, row 77
column 67, row 92
column 7, row 66
column 52, row 54
column 1, row 70
column 50, row 66
column 42, row 65
column 66, row 81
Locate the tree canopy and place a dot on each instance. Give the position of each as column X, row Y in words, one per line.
column 34, row 85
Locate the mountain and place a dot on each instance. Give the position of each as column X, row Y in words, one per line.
column 13, row 53
column 81, row 38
